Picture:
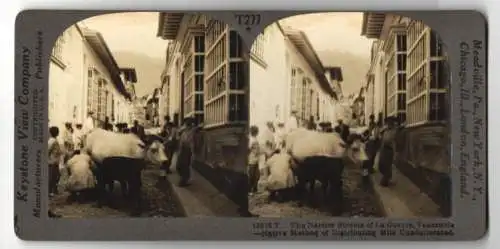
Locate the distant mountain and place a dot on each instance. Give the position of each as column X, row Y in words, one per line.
column 354, row 68
column 148, row 70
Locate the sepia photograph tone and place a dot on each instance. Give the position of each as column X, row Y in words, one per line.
column 169, row 115
column 148, row 117
column 348, row 117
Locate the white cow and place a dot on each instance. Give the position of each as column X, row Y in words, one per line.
column 101, row 144
column 322, row 156
column 302, row 143
column 122, row 157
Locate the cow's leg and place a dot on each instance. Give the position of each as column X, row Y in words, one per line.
column 311, row 195
column 324, row 187
column 71, row 198
column 134, row 185
column 336, row 187
column 101, row 184
column 314, row 173
column 300, row 188
column 124, row 187
column 111, row 186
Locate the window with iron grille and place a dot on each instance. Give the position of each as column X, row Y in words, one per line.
column 193, row 73
column 93, row 90
column 396, row 48
column 258, row 45
column 101, row 99
column 225, row 76
column 427, row 76
column 57, row 50
column 294, row 91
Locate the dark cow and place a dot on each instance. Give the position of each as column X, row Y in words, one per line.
column 322, row 157
column 122, row 157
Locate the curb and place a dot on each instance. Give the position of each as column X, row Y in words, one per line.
column 201, row 198
column 175, row 194
column 397, row 200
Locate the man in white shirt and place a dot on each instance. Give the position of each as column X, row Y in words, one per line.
column 292, row 122
column 89, row 123
column 78, row 138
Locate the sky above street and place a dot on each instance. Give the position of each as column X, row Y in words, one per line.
column 333, row 31
column 136, row 32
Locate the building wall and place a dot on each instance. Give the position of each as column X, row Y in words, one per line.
column 70, row 78
column 379, row 85
column 122, row 110
column 92, row 61
column 422, row 151
column 369, row 101
column 269, row 89
column 271, row 81
column 68, row 85
column 299, row 62
column 173, row 71
column 163, row 109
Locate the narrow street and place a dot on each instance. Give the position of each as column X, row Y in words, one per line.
column 158, row 201
column 358, row 202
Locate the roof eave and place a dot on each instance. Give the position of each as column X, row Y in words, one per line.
column 307, row 51
column 98, row 44
column 169, row 25
column 372, row 24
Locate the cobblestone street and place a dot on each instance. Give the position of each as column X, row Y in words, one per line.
column 359, row 202
column 158, row 201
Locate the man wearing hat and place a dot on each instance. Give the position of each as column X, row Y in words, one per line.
column 387, row 148
column 186, row 149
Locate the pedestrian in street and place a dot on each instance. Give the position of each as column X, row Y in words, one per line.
column 89, row 123
column 107, row 125
column 253, row 160
column 135, row 128
column 68, row 144
column 78, row 138
column 168, row 134
column 387, row 149
column 371, row 122
column 292, row 122
column 372, row 146
column 342, row 129
column 54, row 159
column 185, row 156
column 279, row 136
column 138, row 130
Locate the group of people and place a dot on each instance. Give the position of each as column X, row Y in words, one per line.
column 263, row 144
column 69, row 141
column 380, row 143
column 179, row 145
column 379, row 139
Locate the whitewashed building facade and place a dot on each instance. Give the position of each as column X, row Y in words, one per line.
column 83, row 77
column 286, row 75
column 123, row 105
